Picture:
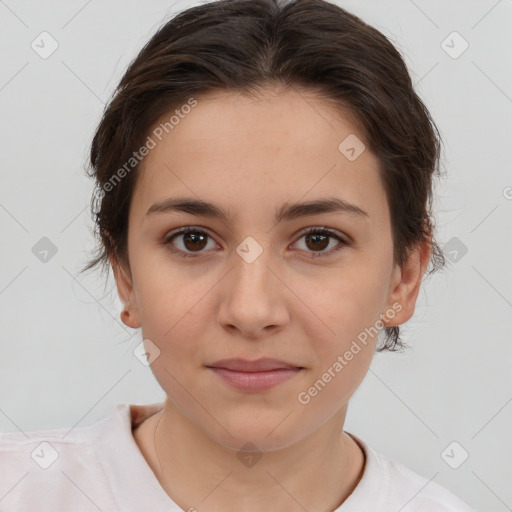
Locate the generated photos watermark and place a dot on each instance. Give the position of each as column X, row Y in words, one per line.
column 304, row 397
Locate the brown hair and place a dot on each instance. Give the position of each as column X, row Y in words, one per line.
column 245, row 45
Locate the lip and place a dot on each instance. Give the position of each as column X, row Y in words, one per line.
column 254, row 376
column 259, row 365
column 256, row 381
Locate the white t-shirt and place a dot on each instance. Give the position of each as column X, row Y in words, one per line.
column 100, row 468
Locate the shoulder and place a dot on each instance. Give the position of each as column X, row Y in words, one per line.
column 419, row 494
column 400, row 488
column 57, row 467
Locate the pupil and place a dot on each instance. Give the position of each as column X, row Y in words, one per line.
column 195, row 239
column 315, row 240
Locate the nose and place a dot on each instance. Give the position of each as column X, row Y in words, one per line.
column 254, row 298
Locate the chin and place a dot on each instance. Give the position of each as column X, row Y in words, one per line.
column 265, row 436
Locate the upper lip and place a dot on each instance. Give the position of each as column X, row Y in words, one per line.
column 258, row 365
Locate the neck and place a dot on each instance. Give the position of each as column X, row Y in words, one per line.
column 317, row 473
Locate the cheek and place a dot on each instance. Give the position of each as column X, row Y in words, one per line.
column 177, row 334
column 341, row 320
column 327, row 392
column 342, row 303
column 175, row 313
column 166, row 297
column 342, row 358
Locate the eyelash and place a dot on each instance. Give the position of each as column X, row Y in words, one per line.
column 317, row 231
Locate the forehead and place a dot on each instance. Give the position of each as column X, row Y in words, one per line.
column 233, row 149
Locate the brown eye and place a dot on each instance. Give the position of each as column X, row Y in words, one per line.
column 192, row 241
column 318, row 239
column 318, row 242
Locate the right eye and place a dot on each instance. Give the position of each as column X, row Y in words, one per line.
column 192, row 239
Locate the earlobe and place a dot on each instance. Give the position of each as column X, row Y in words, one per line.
column 130, row 314
column 406, row 284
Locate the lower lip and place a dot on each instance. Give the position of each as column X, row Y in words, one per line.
column 256, row 381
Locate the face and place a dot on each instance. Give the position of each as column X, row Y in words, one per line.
column 255, row 284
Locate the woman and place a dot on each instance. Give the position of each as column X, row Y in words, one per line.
column 284, row 141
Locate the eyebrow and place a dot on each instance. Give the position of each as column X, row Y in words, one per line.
column 287, row 212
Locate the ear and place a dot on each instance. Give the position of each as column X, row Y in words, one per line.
column 405, row 285
column 130, row 315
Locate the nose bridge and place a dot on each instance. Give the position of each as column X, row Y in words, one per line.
column 255, row 254
column 252, row 260
column 251, row 297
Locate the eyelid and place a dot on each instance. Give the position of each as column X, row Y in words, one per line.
column 328, row 231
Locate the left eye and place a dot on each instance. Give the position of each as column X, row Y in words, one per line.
column 194, row 240
column 319, row 238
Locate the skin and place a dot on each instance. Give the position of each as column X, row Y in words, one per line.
column 250, row 156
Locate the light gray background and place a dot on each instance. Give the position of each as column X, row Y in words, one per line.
column 66, row 357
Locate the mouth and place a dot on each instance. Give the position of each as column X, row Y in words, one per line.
column 254, row 376
column 259, row 365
